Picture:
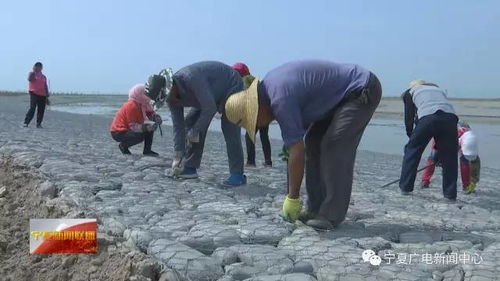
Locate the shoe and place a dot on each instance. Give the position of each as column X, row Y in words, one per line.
column 124, row 150
column 39, row 126
column 306, row 215
column 268, row 164
column 235, row 180
column 450, row 199
column 424, row 185
column 25, row 125
column 251, row 165
column 320, row 223
column 150, row 153
column 406, row 192
column 188, row 173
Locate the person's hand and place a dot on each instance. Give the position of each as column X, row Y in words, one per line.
column 193, row 136
column 148, row 128
column 176, row 162
column 157, row 119
column 291, row 208
column 176, row 166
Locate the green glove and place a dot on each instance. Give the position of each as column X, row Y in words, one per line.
column 291, row 208
column 471, row 188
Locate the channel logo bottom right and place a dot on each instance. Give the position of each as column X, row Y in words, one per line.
column 370, row 256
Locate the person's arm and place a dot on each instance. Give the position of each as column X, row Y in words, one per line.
column 410, row 112
column 47, row 89
column 31, row 76
column 177, row 114
column 296, row 162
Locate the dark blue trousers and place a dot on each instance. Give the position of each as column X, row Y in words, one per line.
column 442, row 127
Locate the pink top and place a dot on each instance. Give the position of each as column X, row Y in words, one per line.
column 38, row 84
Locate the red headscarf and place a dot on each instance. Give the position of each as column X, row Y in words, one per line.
column 241, row 68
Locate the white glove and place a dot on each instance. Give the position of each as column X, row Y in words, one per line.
column 193, row 136
column 177, row 163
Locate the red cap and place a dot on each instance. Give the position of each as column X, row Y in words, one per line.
column 241, row 68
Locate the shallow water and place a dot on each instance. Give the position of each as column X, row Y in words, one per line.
column 381, row 135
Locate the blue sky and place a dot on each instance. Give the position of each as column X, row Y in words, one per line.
column 108, row 46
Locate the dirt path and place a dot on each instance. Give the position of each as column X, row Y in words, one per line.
column 21, row 201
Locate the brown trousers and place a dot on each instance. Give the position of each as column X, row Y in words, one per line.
column 331, row 146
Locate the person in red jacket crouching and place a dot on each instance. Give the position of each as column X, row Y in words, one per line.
column 135, row 122
column 470, row 164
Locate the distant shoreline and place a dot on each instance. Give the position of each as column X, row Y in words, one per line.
column 388, row 98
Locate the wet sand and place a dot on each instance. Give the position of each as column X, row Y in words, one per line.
column 385, row 133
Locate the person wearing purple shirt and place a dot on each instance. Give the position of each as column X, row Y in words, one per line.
column 322, row 109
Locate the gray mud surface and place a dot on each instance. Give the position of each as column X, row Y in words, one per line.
column 202, row 231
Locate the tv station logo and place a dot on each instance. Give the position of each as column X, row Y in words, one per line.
column 63, row 236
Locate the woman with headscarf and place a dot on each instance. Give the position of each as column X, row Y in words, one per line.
column 263, row 131
column 129, row 127
column 39, row 93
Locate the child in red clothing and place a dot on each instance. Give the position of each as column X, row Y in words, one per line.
column 470, row 163
column 129, row 127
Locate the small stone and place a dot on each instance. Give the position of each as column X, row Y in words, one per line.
column 139, row 238
column 170, row 275
column 146, row 268
column 69, row 261
column 47, row 189
column 3, row 191
column 415, row 237
column 138, row 278
column 303, row 267
column 97, row 261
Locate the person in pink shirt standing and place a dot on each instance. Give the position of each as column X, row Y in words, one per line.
column 39, row 91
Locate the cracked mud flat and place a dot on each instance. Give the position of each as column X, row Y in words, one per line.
column 205, row 232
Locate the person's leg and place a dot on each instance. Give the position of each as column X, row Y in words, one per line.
column 447, row 145
column 31, row 110
column 41, row 102
column 194, row 151
column 475, row 170
column 250, row 150
column 232, row 136
column 148, row 142
column 127, row 139
column 465, row 172
column 130, row 138
column 429, row 170
column 314, row 185
column 338, row 150
column 419, row 139
column 266, row 145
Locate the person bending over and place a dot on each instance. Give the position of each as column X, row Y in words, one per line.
column 322, row 108
column 470, row 163
column 263, row 132
column 427, row 105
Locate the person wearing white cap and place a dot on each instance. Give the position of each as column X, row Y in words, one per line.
column 429, row 114
column 322, row 109
column 470, row 164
